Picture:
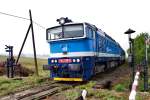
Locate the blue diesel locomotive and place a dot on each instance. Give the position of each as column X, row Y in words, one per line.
column 80, row 50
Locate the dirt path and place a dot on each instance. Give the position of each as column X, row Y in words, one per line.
column 112, row 77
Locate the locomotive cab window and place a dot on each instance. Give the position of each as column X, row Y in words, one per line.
column 89, row 32
column 65, row 31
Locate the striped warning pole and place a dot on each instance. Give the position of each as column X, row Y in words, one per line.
column 134, row 86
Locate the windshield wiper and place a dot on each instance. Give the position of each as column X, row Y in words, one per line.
column 60, row 35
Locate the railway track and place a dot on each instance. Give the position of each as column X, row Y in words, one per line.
column 103, row 80
column 39, row 93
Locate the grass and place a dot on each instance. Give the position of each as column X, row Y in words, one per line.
column 29, row 63
column 76, row 92
column 8, row 85
column 90, row 84
column 94, row 94
column 103, row 94
column 120, row 91
column 120, row 88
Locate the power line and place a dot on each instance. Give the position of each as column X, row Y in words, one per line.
column 13, row 16
column 23, row 19
column 39, row 25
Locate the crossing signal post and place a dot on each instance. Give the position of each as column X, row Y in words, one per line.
column 10, row 62
column 131, row 53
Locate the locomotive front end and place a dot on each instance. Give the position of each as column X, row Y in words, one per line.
column 66, row 69
column 68, row 48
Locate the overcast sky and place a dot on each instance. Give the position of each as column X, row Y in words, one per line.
column 112, row 16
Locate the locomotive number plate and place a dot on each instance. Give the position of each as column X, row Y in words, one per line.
column 64, row 60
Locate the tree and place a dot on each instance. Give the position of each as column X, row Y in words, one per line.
column 139, row 48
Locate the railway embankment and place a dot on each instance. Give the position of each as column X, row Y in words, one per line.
column 112, row 84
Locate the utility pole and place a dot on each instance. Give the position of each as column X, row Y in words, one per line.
column 146, row 66
column 33, row 41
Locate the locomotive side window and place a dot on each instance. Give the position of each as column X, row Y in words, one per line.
column 89, row 32
column 94, row 33
column 66, row 31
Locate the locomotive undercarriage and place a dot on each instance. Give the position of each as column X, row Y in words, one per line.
column 67, row 71
column 80, row 71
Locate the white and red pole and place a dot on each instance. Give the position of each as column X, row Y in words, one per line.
column 134, row 86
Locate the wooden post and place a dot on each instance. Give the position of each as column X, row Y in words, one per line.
column 33, row 41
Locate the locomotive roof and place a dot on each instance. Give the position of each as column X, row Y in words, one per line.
column 93, row 26
column 64, row 24
column 101, row 31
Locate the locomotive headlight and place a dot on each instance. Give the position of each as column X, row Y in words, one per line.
column 73, row 60
column 52, row 61
column 62, row 21
column 78, row 60
column 55, row 61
